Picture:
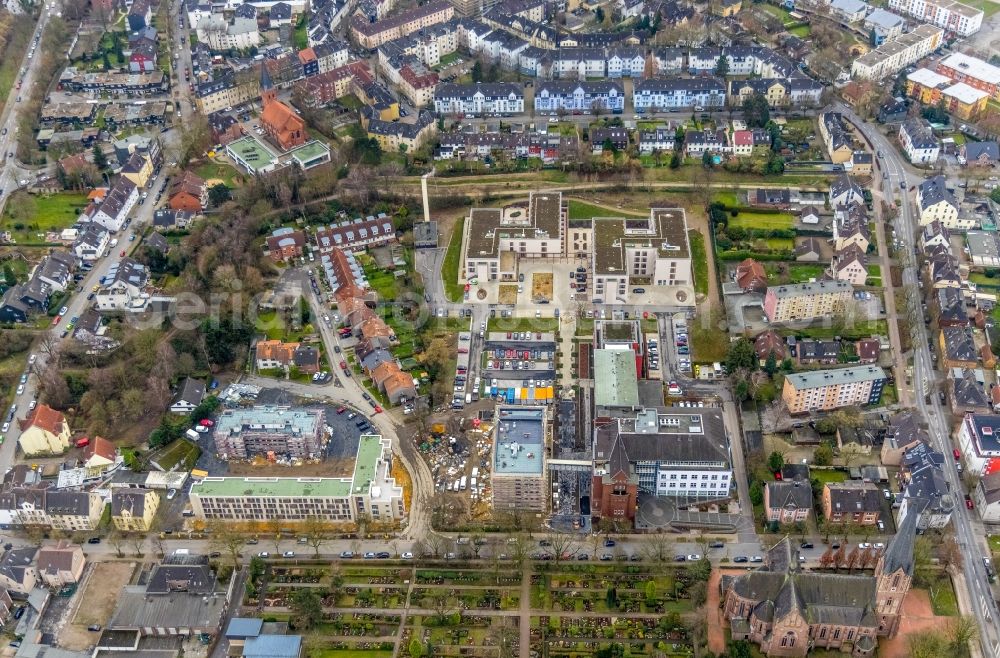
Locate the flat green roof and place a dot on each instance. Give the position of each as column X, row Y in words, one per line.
column 253, row 152
column 365, row 469
column 310, row 151
column 619, row 386
column 273, row 486
column 369, row 451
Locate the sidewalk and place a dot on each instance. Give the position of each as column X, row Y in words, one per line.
column 965, row 607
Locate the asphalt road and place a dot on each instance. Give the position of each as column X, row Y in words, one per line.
column 924, row 374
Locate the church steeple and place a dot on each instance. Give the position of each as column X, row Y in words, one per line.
column 267, row 92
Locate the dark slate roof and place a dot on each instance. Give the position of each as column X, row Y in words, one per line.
column 899, row 552
column 969, row 392
column 711, row 446
column 192, row 390
column 974, row 150
column 933, row 190
column 959, row 344
column 903, row 429
column 196, row 579
column 952, row 305
column 791, row 495
column 68, row 503
column 851, row 497
column 780, row 588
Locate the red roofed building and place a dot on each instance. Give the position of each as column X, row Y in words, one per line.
column 44, row 431
column 418, row 83
column 99, row 457
column 309, row 62
column 283, row 126
column 868, row 350
column 188, row 193
column 285, row 244
column 769, row 343
column 327, row 87
column 743, row 142
column 750, row 276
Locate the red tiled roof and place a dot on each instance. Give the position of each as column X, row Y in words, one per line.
column 46, row 418
column 101, row 447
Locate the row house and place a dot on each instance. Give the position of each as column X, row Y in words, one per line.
column 580, row 63
column 579, row 97
column 699, row 142
column 796, row 91
column 662, row 138
column 655, row 94
column 626, row 62
column 112, row 212
column 504, row 98
column 918, row 141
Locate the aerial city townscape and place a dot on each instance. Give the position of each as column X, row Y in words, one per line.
column 499, row 328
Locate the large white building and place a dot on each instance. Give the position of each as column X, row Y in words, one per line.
column 655, row 250
column 601, row 95
column 918, row 141
column 979, row 443
column 370, row 491
column 896, row 54
column 658, row 94
column 955, row 17
column 485, row 98
column 672, row 454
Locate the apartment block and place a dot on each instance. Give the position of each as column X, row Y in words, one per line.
column 370, row 490
column 806, row 301
column 955, row 17
column 282, row 431
column 600, row 95
column 825, row 390
column 519, row 477
column 373, row 34
column 671, row 454
column 972, row 71
column 502, row 98
column 961, row 99
column 896, row 54
column 852, row 502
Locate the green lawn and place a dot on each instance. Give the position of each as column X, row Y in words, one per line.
column 181, row 453
column 448, row 60
column 762, row 221
column 215, row 170
column 781, row 244
column 779, row 13
column 874, row 275
column 802, row 272
column 800, row 31
column 699, row 259
column 828, row 475
column 989, row 8
column 29, row 215
column 348, row 653
column 708, row 343
column 584, row 210
column 453, row 290
column 548, row 324
column 942, row 594
column 301, row 34
column 858, row 330
column 994, row 543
